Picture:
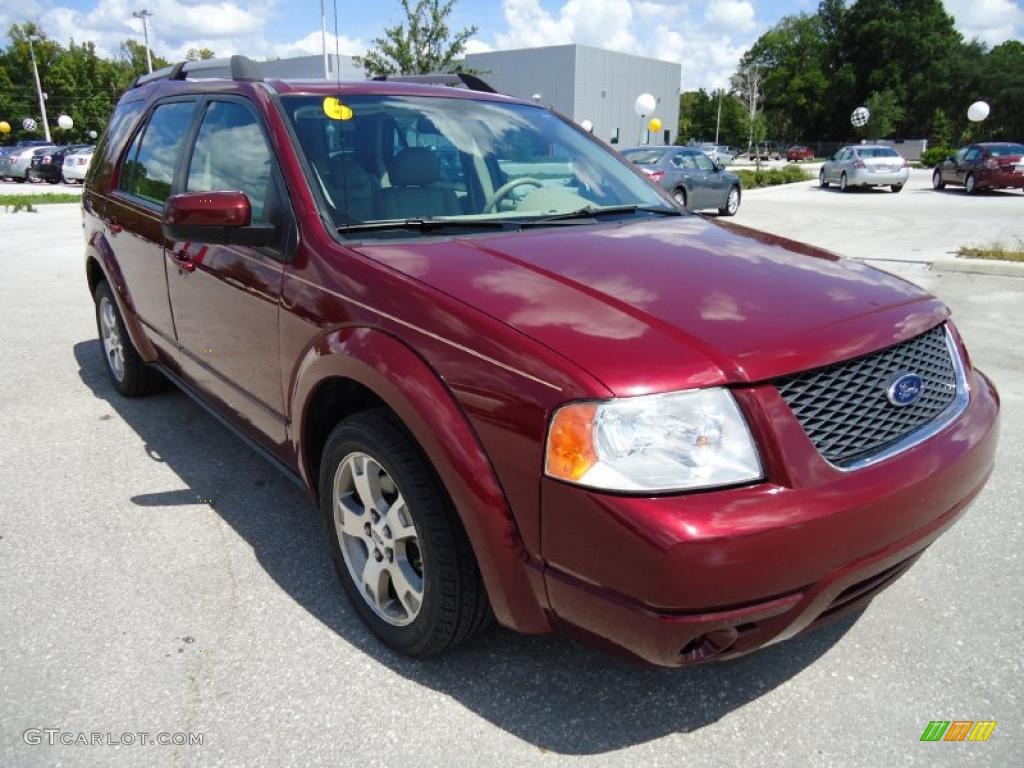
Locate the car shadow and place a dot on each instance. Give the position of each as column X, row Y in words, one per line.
column 546, row 690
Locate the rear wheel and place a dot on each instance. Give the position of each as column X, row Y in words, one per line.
column 130, row 374
column 937, row 182
column 970, row 185
column 396, row 540
column 842, row 183
column 897, row 187
column 732, row 203
column 679, row 195
column 822, row 181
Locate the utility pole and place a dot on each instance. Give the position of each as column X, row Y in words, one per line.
column 39, row 87
column 718, row 122
column 144, row 14
column 323, row 39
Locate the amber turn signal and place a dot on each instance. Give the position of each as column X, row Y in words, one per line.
column 570, row 451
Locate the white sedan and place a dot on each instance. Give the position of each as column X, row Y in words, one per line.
column 77, row 165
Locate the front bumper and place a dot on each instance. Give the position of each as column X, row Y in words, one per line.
column 682, row 579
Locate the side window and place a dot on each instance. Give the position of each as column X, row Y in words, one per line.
column 685, row 162
column 231, row 154
column 972, row 154
column 704, row 162
column 148, row 168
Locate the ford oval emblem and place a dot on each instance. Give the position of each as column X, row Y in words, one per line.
column 905, row 389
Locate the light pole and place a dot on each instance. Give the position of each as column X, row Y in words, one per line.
column 323, row 39
column 144, row 14
column 718, row 122
column 39, row 87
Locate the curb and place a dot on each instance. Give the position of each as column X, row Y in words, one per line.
column 979, row 266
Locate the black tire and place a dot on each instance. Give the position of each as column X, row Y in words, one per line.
column 728, row 209
column 842, row 183
column 19, row 179
column 970, row 184
column 822, row 181
column 679, row 195
column 138, row 378
column 55, row 180
column 454, row 606
column 897, row 187
column 937, row 182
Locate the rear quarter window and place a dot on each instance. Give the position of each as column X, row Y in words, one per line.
column 110, row 145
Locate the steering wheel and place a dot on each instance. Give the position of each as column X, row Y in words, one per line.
column 502, row 192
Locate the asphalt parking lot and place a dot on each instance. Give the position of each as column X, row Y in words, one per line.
column 158, row 576
column 918, row 224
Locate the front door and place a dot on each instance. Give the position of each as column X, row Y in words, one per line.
column 226, row 298
column 712, row 183
column 133, row 213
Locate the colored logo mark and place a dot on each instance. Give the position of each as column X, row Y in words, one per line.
column 958, row 730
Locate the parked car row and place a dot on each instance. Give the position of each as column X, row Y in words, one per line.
column 36, row 160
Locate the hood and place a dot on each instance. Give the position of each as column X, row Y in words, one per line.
column 652, row 304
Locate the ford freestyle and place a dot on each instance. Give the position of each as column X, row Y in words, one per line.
column 516, row 378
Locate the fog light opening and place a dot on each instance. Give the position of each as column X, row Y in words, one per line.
column 708, row 645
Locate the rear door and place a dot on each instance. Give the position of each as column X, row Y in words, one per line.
column 225, row 297
column 970, row 160
column 133, row 213
column 684, row 167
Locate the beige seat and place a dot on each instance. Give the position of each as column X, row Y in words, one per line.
column 414, row 173
column 345, row 181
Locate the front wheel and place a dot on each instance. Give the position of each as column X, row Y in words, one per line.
column 732, row 203
column 937, row 182
column 822, row 181
column 395, row 539
column 842, row 183
column 970, row 184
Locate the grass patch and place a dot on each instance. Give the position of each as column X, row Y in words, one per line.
column 770, row 177
column 996, row 251
column 16, row 203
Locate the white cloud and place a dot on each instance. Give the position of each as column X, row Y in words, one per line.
column 991, row 21
column 603, row 23
column 730, row 15
column 477, row 46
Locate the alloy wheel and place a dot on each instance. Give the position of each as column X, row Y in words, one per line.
column 378, row 539
column 110, row 333
column 733, row 203
column 680, row 197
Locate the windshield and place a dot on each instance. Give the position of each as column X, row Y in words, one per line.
column 400, row 158
column 877, row 152
column 644, row 156
column 1006, row 150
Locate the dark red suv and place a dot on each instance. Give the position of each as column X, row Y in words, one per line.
column 515, row 377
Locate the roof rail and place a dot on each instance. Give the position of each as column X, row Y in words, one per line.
column 240, row 68
column 454, row 79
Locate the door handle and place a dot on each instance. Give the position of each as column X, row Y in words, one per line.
column 183, row 260
column 116, row 227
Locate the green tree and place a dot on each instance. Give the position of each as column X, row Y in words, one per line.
column 422, row 44
column 941, row 134
column 886, row 114
column 199, row 54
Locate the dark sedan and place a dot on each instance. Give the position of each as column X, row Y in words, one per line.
column 49, row 166
column 991, row 165
column 693, row 179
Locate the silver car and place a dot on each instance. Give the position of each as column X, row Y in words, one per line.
column 864, row 165
column 19, row 161
column 720, row 154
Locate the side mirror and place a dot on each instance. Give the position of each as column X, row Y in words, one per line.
column 219, row 218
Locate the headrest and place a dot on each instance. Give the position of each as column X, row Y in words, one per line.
column 414, row 167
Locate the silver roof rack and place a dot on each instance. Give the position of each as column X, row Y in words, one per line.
column 454, row 79
column 241, row 68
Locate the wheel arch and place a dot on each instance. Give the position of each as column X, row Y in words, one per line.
column 354, row 368
column 101, row 266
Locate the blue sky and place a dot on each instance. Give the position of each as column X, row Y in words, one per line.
column 706, row 36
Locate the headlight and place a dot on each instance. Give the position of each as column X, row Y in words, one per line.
column 671, row 442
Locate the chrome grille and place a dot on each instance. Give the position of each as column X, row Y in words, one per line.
column 844, row 409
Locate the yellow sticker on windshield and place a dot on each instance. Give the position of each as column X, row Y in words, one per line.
column 335, row 110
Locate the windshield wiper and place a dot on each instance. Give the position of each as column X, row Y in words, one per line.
column 591, row 212
column 425, row 225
